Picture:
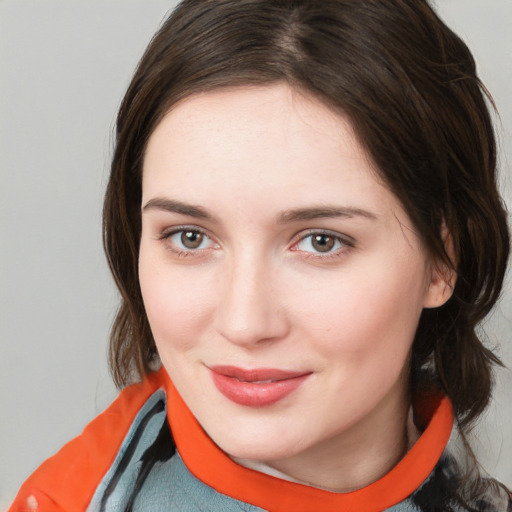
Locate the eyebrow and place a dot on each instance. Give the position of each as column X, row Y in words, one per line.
column 170, row 205
column 324, row 212
column 287, row 216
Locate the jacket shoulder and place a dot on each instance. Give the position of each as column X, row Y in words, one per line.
column 68, row 480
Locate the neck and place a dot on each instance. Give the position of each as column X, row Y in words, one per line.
column 214, row 468
column 364, row 453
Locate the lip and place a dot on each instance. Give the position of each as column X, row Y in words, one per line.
column 256, row 387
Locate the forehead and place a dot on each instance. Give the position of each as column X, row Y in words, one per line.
column 250, row 103
column 258, row 140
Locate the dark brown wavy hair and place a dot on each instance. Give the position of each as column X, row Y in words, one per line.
column 409, row 86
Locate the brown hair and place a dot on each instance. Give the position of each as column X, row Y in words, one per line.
column 409, row 86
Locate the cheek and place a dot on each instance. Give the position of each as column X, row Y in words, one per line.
column 364, row 334
column 177, row 303
column 371, row 311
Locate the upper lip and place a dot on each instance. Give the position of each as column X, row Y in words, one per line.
column 257, row 374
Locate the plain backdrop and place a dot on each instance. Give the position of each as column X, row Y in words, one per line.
column 64, row 65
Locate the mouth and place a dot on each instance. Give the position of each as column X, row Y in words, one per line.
column 257, row 387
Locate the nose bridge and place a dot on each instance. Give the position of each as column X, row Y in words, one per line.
column 248, row 308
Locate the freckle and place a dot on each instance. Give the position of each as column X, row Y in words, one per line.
column 32, row 502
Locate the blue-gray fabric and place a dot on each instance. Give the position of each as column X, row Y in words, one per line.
column 170, row 487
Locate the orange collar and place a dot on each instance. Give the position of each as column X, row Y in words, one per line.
column 212, row 466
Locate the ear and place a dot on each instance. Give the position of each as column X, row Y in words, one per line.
column 443, row 275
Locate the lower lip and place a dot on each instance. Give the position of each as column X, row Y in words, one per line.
column 256, row 394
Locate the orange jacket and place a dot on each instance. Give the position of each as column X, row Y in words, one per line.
column 102, row 468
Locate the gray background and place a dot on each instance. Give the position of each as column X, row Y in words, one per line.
column 64, row 65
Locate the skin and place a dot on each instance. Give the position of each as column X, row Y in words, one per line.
column 263, row 168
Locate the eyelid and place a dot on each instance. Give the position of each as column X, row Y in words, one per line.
column 167, row 232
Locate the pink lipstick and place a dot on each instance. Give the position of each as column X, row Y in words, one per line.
column 258, row 387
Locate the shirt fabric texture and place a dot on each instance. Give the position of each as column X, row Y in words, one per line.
column 127, row 460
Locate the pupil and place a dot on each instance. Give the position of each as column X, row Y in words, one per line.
column 191, row 239
column 323, row 243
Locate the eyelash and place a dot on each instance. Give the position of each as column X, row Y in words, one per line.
column 166, row 236
column 346, row 243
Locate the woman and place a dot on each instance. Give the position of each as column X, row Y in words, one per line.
column 303, row 221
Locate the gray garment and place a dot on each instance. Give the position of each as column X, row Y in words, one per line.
column 169, row 487
column 149, row 476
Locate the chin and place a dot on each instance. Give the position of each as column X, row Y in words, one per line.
column 258, row 447
column 259, row 453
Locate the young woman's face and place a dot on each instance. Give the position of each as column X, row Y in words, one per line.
column 282, row 280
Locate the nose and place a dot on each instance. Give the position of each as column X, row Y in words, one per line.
column 249, row 308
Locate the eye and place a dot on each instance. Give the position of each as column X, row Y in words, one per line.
column 321, row 243
column 190, row 239
column 187, row 240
